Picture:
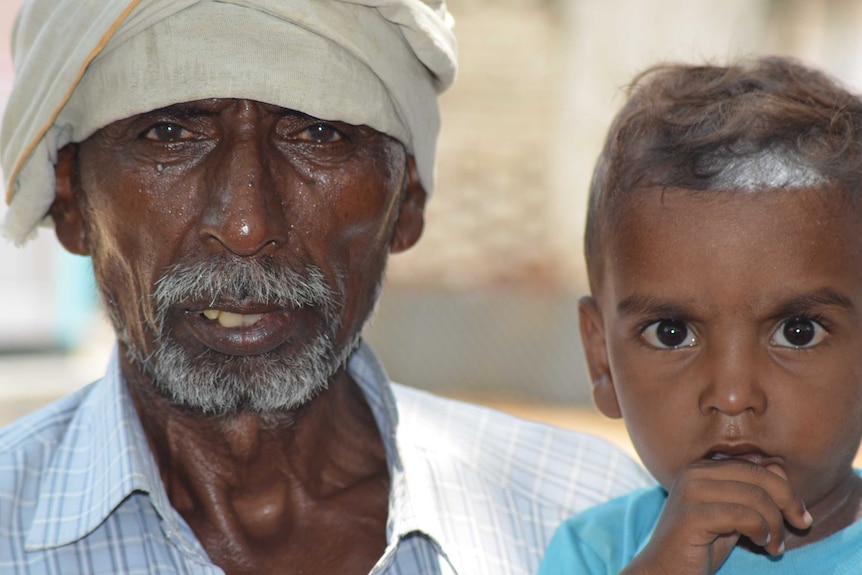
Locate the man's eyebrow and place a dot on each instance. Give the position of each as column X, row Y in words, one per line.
column 184, row 109
column 806, row 302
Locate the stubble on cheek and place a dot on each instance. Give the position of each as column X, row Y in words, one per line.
column 124, row 301
column 127, row 313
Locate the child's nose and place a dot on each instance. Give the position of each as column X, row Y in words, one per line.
column 732, row 380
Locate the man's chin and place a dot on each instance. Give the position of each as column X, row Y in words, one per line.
column 214, row 384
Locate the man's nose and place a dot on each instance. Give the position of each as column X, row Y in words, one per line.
column 244, row 212
column 732, row 379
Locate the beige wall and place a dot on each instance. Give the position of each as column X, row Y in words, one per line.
column 486, row 301
column 539, row 83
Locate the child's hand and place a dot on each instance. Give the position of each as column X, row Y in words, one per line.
column 711, row 504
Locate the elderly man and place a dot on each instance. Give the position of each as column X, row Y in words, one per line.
column 239, row 172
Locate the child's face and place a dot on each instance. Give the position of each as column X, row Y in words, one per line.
column 730, row 325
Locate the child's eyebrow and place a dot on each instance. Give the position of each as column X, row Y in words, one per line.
column 640, row 304
column 798, row 304
column 804, row 303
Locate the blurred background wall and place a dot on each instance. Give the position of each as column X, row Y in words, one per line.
column 485, row 305
column 487, row 301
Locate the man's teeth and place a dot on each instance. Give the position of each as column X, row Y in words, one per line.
column 229, row 319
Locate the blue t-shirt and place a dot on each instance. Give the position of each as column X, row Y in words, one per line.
column 604, row 539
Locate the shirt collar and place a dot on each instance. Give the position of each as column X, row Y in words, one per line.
column 106, row 451
column 408, row 513
column 102, row 459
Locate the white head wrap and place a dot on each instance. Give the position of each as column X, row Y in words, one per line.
column 83, row 64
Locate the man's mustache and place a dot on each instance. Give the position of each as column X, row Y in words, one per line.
column 242, row 280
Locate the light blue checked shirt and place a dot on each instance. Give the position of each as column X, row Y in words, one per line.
column 473, row 491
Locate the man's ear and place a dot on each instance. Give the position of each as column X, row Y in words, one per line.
column 596, row 351
column 66, row 211
column 411, row 216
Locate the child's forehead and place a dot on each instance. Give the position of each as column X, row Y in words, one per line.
column 681, row 239
column 698, row 226
column 646, row 213
column 659, row 202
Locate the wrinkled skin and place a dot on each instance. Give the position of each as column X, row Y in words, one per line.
column 726, row 331
column 304, row 490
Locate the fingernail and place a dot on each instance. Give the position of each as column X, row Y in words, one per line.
column 781, row 548
column 807, row 519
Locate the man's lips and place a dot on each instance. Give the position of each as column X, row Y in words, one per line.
column 745, row 452
column 230, row 319
column 241, row 330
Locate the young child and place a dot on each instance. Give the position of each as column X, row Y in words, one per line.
column 724, row 249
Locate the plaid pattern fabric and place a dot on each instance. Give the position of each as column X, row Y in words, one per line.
column 473, row 491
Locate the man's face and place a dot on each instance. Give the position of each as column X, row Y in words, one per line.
column 730, row 325
column 239, row 246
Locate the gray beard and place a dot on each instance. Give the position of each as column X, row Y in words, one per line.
column 265, row 384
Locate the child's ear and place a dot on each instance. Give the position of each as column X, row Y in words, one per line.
column 66, row 211
column 596, row 351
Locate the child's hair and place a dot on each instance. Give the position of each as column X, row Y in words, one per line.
column 768, row 123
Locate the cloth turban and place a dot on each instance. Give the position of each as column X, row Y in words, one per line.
column 83, row 64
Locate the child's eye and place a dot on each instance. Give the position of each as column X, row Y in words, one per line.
column 798, row 332
column 669, row 334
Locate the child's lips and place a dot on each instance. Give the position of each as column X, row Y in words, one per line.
column 743, row 452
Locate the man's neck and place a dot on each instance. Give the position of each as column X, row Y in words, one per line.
column 273, row 494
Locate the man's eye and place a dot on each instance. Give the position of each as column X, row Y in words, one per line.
column 321, row 134
column 798, row 332
column 167, row 132
column 669, row 334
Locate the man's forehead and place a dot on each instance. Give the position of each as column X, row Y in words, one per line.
column 350, row 61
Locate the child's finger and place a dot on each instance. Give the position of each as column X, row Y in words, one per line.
column 773, row 481
column 794, row 511
column 725, row 506
column 765, row 490
column 777, row 470
column 747, row 521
